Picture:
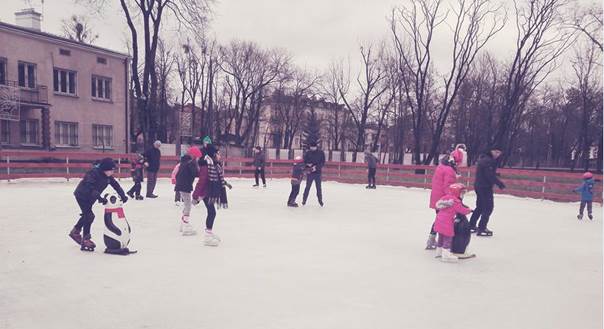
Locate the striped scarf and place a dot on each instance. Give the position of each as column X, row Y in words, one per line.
column 216, row 192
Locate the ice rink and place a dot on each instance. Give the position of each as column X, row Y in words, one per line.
column 359, row 262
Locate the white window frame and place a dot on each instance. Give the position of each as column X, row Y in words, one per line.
column 62, row 131
column 5, row 131
column 5, row 62
column 27, row 77
column 28, row 132
column 105, row 82
column 57, row 88
column 105, row 139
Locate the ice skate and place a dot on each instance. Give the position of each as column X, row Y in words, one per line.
column 473, row 229
column 448, row 257
column 255, row 185
column 439, row 252
column 211, row 239
column 76, row 236
column 465, row 255
column 292, row 204
column 87, row 244
column 321, row 203
column 185, row 227
column 368, row 186
column 130, row 194
column 264, row 185
column 484, row 232
column 139, row 197
column 579, row 216
column 431, row 243
column 590, row 216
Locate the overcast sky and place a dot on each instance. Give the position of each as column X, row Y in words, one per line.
column 314, row 31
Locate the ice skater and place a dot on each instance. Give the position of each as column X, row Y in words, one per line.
column 87, row 193
column 372, row 162
column 259, row 164
column 444, row 176
column 486, row 177
column 187, row 172
column 153, row 164
column 314, row 160
column 587, row 195
column 210, row 189
column 296, row 181
column 448, row 207
column 136, row 171
column 177, row 199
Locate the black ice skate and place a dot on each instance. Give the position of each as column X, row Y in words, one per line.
column 590, row 216
column 76, row 236
column 580, row 216
column 87, row 244
column 292, row 204
column 139, row 197
column 484, row 232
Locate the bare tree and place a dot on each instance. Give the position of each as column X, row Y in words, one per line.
column 78, row 28
column 477, row 21
column 589, row 22
column 339, row 116
column 412, row 29
column 541, row 39
column 164, row 67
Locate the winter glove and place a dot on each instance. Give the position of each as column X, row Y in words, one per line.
column 501, row 185
column 124, row 199
column 195, row 202
column 103, row 200
column 228, row 185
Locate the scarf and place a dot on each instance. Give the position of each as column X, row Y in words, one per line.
column 216, row 191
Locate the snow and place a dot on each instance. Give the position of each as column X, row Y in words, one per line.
column 358, row 262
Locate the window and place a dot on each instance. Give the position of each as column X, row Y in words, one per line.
column 101, row 88
column 2, row 71
column 4, row 131
column 66, row 133
column 101, row 60
column 102, row 136
column 27, row 75
column 65, row 52
column 29, row 131
column 64, row 81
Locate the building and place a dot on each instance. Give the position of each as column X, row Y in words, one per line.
column 59, row 94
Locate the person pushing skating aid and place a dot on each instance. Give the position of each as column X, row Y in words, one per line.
column 296, row 180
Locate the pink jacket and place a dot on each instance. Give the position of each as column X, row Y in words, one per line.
column 174, row 173
column 448, row 207
column 443, row 177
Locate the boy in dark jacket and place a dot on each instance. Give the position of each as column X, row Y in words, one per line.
column 314, row 160
column 136, row 171
column 587, row 195
column 486, row 177
column 87, row 193
column 259, row 164
column 187, row 172
column 296, row 180
column 153, row 164
column 372, row 162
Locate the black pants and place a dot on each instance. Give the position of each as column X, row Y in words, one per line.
column 211, row 213
column 432, row 231
column 261, row 173
column 582, row 208
column 136, row 189
column 484, row 208
column 86, row 217
column 294, row 193
column 151, row 182
column 371, row 177
column 310, row 178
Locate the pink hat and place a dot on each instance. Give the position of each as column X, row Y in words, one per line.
column 587, row 175
column 457, row 155
column 194, row 152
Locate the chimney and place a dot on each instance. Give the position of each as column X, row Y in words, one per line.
column 29, row 18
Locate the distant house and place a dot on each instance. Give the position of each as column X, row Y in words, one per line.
column 59, row 94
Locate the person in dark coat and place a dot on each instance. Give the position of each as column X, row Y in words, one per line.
column 152, row 162
column 187, row 172
column 259, row 164
column 296, row 180
column 314, row 160
column 372, row 162
column 136, row 171
column 486, row 177
column 87, row 193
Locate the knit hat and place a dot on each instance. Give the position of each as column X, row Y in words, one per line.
column 157, row 143
column 211, row 150
column 194, row 152
column 457, row 156
column 457, row 189
column 106, row 164
column 587, row 175
column 207, row 139
column 298, row 159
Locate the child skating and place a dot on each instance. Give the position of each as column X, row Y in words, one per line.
column 296, row 180
column 210, row 189
column 448, row 207
column 587, row 195
column 136, row 171
column 87, row 193
column 187, row 172
column 177, row 199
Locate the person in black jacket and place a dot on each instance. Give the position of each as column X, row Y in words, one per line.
column 486, row 177
column 314, row 160
column 259, row 163
column 137, row 176
column 296, row 180
column 152, row 162
column 87, row 193
column 187, row 172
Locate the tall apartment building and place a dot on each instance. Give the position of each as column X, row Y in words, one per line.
column 59, row 94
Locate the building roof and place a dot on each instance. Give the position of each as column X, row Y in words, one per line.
column 60, row 40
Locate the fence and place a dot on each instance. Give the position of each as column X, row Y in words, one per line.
column 523, row 183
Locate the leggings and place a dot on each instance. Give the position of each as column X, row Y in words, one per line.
column 136, row 189
column 371, row 176
column 211, row 213
column 86, row 217
column 444, row 241
column 186, row 199
column 582, row 207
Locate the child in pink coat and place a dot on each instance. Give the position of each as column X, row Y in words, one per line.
column 448, row 207
column 444, row 175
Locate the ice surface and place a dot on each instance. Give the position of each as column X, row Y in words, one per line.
column 357, row 263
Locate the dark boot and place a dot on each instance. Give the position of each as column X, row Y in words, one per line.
column 76, row 235
column 87, row 244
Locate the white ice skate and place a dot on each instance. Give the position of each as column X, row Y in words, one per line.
column 448, row 257
column 439, row 252
column 211, row 239
column 185, row 227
